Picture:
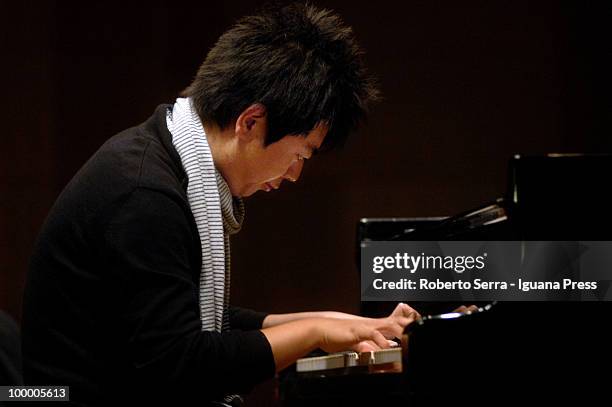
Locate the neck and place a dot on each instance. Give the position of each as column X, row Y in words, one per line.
column 223, row 150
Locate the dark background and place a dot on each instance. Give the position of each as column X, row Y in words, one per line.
column 466, row 85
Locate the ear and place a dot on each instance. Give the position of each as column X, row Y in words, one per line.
column 252, row 122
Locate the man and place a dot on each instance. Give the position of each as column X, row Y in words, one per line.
column 128, row 290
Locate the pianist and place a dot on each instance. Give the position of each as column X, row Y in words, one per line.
column 127, row 296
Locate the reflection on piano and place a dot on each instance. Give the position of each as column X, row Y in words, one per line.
column 523, row 352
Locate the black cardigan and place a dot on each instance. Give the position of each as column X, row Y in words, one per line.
column 111, row 303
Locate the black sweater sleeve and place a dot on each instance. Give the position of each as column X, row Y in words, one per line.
column 246, row 319
column 150, row 243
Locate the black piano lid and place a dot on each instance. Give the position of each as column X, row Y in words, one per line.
column 548, row 197
column 561, row 196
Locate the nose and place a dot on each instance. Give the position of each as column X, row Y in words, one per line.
column 294, row 171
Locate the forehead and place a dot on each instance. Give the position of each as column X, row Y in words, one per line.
column 312, row 141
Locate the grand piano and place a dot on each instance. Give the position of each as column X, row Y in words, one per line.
column 523, row 352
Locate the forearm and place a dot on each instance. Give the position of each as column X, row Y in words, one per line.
column 278, row 319
column 332, row 332
column 292, row 340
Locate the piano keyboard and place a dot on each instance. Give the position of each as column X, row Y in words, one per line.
column 349, row 359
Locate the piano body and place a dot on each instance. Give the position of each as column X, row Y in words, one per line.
column 509, row 351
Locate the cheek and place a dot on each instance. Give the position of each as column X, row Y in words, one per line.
column 272, row 163
column 279, row 164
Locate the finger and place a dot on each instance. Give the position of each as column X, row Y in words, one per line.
column 403, row 322
column 472, row 308
column 408, row 310
column 461, row 309
column 380, row 340
column 396, row 327
column 405, row 310
column 366, row 346
column 411, row 312
column 398, row 310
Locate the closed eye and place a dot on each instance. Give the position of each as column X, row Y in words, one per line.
column 312, row 151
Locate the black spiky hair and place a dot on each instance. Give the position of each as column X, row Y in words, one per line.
column 301, row 62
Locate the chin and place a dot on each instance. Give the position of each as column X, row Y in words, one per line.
column 247, row 193
column 239, row 193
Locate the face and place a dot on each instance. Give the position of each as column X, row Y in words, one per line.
column 265, row 168
column 248, row 166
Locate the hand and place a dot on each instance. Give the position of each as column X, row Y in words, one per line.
column 465, row 310
column 366, row 334
column 402, row 315
column 370, row 346
column 341, row 334
column 405, row 310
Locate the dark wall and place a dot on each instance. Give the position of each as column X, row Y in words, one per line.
column 466, row 85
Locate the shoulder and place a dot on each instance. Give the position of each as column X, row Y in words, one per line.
column 136, row 158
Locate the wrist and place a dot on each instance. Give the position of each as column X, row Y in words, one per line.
column 316, row 330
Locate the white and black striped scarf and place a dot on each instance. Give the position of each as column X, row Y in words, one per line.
column 217, row 214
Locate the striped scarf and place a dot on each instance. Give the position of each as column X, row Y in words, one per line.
column 217, row 214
